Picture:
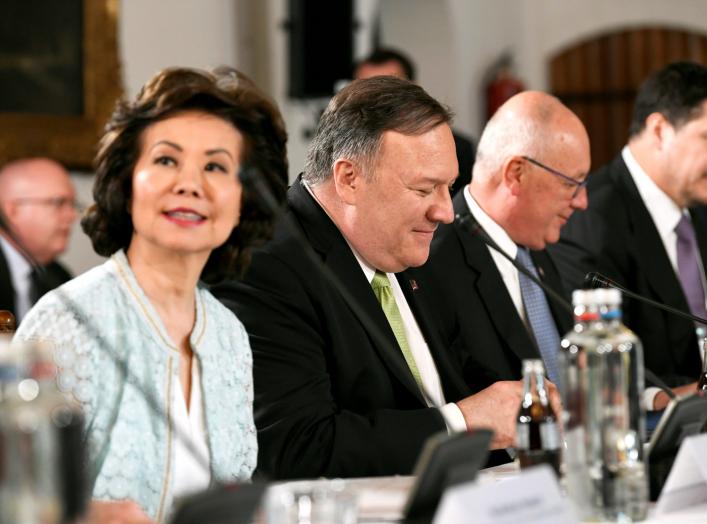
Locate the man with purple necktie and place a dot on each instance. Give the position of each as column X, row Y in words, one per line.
column 646, row 225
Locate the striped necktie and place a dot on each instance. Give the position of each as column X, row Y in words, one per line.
column 539, row 316
column 689, row 270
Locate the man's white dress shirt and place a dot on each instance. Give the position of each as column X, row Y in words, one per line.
column 665, row 214
column 508, row 272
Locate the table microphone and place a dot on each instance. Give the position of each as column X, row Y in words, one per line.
column 594, row 280
column 467, row 222
column 474, row 228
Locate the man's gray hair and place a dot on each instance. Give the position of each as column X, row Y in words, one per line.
column 353, row 123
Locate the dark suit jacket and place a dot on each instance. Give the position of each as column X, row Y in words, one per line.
column 55, row 276
column 332, row 398
column 478, row 315
column 617, row 237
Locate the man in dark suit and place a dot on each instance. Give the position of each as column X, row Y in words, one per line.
column 350, row 375
column 38, row 204
column 529, row 177
column 633, row 230
column 385, row 61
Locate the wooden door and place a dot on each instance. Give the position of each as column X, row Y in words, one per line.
column 598, row 78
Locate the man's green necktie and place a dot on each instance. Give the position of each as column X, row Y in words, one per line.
column 384, row 294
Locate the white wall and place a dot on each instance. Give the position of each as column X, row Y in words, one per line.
column 452, row 41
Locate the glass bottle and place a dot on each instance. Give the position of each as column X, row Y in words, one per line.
column 537, row 429
column 573, row 389
column 615, row 422
column 7, row 322
column 41, row 453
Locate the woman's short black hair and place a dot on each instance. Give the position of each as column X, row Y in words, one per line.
column 225, row 93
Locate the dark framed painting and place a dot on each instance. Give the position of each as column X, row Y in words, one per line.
column 59, row 78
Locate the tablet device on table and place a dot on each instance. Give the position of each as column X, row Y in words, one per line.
column 226, row 504
column 683, row 417
column 445, row 461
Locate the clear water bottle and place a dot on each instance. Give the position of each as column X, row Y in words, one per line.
column 537, row 429
column 615, row 420
column 29, row 478
column 41, row 452
column 573, row 389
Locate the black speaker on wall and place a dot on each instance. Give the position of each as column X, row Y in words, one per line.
column 320, row 46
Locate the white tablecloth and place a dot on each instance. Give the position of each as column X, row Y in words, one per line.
column 381, row 499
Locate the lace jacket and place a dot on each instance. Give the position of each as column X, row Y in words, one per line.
column 129, row 440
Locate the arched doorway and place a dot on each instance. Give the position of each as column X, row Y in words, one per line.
column 598, row 78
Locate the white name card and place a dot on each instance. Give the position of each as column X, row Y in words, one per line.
column 687, row 482
column 533, row 497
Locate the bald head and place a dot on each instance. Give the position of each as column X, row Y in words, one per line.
column 23, row 178
column 37, row 199
column 531, row 158
column 531, row 123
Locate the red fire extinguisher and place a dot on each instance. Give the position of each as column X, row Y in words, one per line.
column 502, row 85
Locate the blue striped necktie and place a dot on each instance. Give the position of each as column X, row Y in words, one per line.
column 539, row 316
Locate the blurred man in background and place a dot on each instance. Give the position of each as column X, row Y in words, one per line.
column 38, row 205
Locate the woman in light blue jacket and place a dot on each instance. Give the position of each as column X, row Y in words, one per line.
column 167, row 393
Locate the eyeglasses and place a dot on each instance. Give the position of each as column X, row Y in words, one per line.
column 577, row 184
column 56, row 203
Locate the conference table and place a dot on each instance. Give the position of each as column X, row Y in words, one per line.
column 382, row 499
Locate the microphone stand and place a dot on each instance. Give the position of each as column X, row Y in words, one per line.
column 476, row 230
column 595, row 280
column 467, row 222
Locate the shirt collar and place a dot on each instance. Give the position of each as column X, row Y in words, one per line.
column 493, row 230
column 665, row 212
column 367, row 269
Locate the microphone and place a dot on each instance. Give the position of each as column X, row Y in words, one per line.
column 473, row 227
column 594, row 280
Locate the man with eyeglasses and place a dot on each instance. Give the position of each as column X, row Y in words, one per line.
column 529, row 177
column 38, row 204
column 646, row 227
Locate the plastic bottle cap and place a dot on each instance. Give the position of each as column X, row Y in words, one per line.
column 533, row 365
column 611, row 297
column 582, row 297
